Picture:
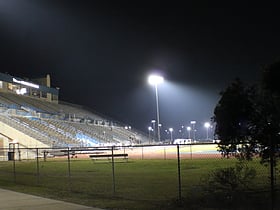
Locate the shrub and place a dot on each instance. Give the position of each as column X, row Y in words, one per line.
column 231, row 181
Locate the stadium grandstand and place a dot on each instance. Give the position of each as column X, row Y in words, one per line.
column 32, row 116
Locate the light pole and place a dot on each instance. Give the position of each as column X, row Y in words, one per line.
column 207, row 125
column 154, row 129
column 189, row 131
column 171, row 131
column 159, row 125
column 150, row 129
column 193, row 122
column 155, row 80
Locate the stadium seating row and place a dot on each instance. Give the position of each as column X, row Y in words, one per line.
column 62, row 124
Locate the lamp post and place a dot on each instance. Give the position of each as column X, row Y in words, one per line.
column 154, row 129
column 155, row 80
column 150, row 129
column 193, row 122
column 207, row 126
column 189, row 131
column 171, row 131
column 159, row 126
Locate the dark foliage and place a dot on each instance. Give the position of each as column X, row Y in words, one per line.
column 248, row 117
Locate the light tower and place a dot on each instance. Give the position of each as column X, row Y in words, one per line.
column 155, row 80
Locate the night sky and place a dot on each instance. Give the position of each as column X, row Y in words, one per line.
column 100, row 54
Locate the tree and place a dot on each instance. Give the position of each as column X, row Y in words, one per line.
column 248, row 117
column 267, row 112
column 233, row 119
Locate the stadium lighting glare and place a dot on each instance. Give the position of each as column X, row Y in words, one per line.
column 155, row 80
column 189, row 131
column 26, row 83
column 21, row 91
column 193, row 122
column 154, row 128
column 171, row 131
column 150, row 129
column 207, row 126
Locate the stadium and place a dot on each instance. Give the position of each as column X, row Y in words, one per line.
column 32, row 116
column 50, row 148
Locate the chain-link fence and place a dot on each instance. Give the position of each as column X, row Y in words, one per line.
column 143, row 177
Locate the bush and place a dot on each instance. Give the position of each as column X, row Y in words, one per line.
column 230, row 182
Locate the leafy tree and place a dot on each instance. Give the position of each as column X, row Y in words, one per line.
column 233, row 116
column 248, row 117
column 267, row 112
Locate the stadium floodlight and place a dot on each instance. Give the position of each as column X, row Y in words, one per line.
column 150, row 129
column 25, row 83
column 154, row 128
column 207, row 126
column 155, row 80
column 193, row 122
column 171, row 131
column 189, row 131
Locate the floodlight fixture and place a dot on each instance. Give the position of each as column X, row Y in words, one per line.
column 155, row 80
column 207, row 126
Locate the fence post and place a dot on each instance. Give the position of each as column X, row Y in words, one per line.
column 69, row 169
column 113, row 171
column 37, row 165
column 191, row 150
column 179, row 174
column 14, row 164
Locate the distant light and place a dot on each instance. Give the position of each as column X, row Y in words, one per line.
column 193, row 122
column 189, row 128
column 150, row 128
column 207, row 125
column 153, row 121
column 21, row 91
column 155, row 79
column 159, row 125
column 171, row 129
column 26, row 83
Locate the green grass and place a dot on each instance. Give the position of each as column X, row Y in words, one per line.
column 139, row 184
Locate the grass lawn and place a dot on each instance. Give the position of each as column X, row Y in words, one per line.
column 139, row 184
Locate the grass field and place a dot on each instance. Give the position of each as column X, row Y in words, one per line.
column 139, row 184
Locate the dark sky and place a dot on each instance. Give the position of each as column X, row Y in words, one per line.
column 100, row 54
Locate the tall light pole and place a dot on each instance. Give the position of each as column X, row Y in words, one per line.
column 171, row 131
column 154, row 129
column 150, row 129
column 189, row 131
column 159, row 125
column 193, row 122
column 207, row 126
column 155, row 80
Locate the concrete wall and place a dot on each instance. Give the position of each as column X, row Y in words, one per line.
column 11, row 135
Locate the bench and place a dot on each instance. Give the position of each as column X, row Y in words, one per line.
column 108, row 156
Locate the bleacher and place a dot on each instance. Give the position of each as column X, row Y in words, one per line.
column 62, row 124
